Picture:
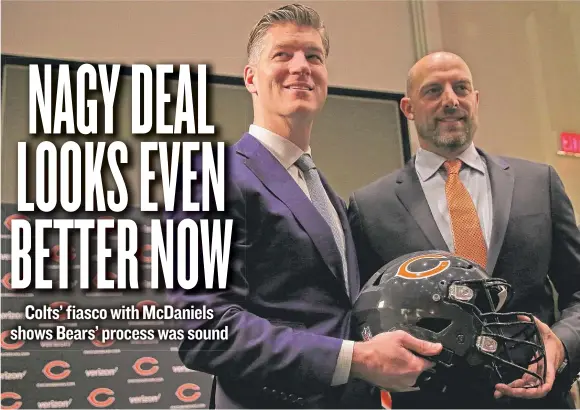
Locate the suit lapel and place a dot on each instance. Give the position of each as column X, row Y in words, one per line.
column 277, row 180
column 502, row 186
column 411, row 195
column 351, row 262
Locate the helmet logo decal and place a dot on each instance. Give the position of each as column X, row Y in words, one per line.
column 366, row 333
column 408, row 274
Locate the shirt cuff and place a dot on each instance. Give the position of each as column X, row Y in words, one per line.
column 343, row 363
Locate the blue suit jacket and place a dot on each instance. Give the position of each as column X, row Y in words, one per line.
column 286, row 306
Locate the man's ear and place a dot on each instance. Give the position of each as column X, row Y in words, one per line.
column 407, row 108
column 249, row 76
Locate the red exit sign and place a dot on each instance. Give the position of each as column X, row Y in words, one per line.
column 569, row 143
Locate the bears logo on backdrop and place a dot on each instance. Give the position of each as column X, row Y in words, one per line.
column 61, row 370
column 15, row 398
column 9, row 219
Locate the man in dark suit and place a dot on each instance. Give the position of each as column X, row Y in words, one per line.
column 293, row 273
column 511, row 216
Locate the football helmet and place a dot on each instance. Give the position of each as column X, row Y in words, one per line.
column 443, row 298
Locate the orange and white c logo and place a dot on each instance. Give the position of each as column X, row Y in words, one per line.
column 6, row 281
column 144, row 254
column 11, row 395
column 55, row 253
column 188, row 398
column 57, row 305
column 63, row 374
column 441, row 266
column 92, row 398
column 108, row 275
column 146, row 372
column 97, row 340
column 8, row 220
column 142, row 304
column 7, row 344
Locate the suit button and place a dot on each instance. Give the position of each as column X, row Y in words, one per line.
column 300, row 401
column 292, row 397
column 283, row 396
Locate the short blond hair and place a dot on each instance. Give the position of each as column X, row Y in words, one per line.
column 298, row 14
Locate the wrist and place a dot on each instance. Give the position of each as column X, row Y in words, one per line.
column 359, row 358
column 563, row 378
column 563, row 365
column 562, row 362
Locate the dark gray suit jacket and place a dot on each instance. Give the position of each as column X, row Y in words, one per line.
column 534, row 238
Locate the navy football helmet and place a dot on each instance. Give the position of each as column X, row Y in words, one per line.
column 440, row 297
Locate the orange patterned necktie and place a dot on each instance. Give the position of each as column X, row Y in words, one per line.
column 467, row 234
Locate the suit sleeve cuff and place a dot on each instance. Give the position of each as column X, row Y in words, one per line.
column 343, row 363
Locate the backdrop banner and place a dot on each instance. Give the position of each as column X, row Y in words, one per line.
column 53, row 363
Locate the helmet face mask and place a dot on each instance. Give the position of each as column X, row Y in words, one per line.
column 439, row 297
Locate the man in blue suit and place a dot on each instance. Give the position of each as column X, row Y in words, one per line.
column 293, row 270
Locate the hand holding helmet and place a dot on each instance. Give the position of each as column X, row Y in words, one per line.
column 438, row 297
column 525, row 387
column 387, row 360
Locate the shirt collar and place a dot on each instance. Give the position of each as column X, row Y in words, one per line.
column 283, row 149
column 428, row 163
